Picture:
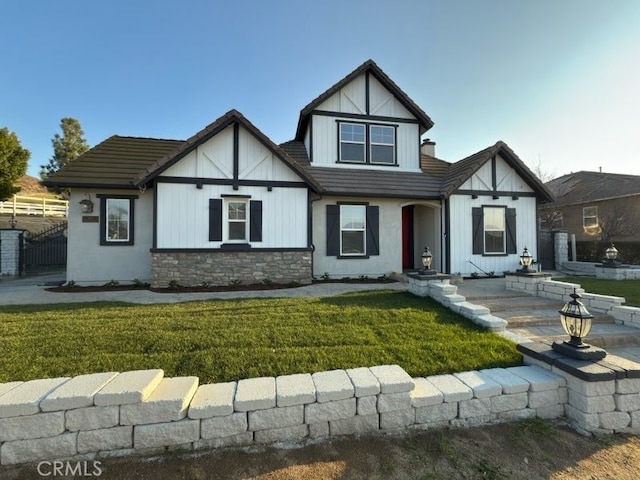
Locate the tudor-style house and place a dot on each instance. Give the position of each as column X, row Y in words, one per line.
column 354, row 193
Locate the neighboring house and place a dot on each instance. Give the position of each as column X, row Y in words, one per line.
column 594, row 206
column 353, row 194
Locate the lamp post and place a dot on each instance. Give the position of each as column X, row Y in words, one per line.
column 576, row 322
column 525, row 260
column 427, row 259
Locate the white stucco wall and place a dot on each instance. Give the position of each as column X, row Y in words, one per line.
column 89, row 263
column 390, row 238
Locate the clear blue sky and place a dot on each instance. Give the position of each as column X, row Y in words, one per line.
column 559, row 81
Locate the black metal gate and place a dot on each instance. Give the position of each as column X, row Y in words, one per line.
column 44, row 251
column 547, row 252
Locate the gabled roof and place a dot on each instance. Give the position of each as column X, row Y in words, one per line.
column 364, row 182
column 462, row 170
column 131, row 162
column 229, row 118
column 369, row 66
column 114, row 163
column 587, row 187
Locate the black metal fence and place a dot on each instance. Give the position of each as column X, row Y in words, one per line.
column 44, row 251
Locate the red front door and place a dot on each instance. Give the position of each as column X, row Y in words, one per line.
column 407, row 237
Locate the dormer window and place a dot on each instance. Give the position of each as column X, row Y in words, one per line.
column 382, row 148
column 352, row 142
column 365, row 143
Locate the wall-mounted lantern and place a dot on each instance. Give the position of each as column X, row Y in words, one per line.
column 86, row 205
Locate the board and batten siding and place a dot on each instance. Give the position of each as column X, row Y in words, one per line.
column 325, row 144
column 352, row 99
column 507, row 179
column 214, row 159
column 461, row 235
column 183, row 215
column 89, row 263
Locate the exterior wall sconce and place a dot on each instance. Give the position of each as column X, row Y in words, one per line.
column 525, row 260
column 576, row 322
column 86, row 205
column 427, row 259
column 611, row 257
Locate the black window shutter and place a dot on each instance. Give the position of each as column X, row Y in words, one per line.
column 215, row 219
column 333, row 230
column 373, row 230
column 255, row 219
column 478, row 241
column 511, row 230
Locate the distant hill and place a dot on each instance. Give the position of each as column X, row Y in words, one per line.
column 30, row 186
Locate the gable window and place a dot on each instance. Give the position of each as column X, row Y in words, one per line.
column 352, row 142
column 494, row 230
column 382, row 148
column 352, row 230
column 364, row 143
column 237, row 220
column 116, row 220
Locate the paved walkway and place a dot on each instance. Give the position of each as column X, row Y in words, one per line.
column 32, row 290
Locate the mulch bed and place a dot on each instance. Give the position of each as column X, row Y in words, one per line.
column 211, row 288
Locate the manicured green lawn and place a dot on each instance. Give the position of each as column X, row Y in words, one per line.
column 629, row 289
column 223, row 340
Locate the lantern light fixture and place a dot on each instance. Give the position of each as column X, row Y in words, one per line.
column 427, row 260
column 86, row 205
column 525, row 260
column 576, row 322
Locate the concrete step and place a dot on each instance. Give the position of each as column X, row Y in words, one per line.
column 542, row 318
column 603, row 335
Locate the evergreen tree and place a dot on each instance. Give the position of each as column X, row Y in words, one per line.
column 13, row 163
column 66, row 147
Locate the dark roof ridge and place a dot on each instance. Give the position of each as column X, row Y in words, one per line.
column 137, row 137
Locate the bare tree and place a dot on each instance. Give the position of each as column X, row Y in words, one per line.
column 619, row 218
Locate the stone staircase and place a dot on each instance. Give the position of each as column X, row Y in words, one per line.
column 537, row 319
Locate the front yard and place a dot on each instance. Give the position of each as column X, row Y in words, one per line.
column 629, row 289
column 224, row 340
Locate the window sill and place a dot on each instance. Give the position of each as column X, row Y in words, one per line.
column 352, row 257
column 346, row 162
column 235, row 246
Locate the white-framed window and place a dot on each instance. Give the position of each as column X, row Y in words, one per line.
column 116, row 219
column 353, row 226
column 590, row 217
column 352, row 142
column 382, row 147
column 494, row 230
column 236, row 215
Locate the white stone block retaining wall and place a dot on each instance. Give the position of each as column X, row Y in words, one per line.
column 541, row 285
column 142, row 412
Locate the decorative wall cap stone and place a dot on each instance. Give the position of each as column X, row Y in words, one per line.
column 451, row 387
column 392, row 378
column 609, row 368
column 364, row 381
column 332, row 385
column 129, row 387
column 25, row 398
column 296, row 389
column 538, row 378
column 167, row 403
column 213, row 400
column 481, row 385
column 510, row 383
column 5, row 387
column 77, row 392
column 255, row 394
column 425, row 393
